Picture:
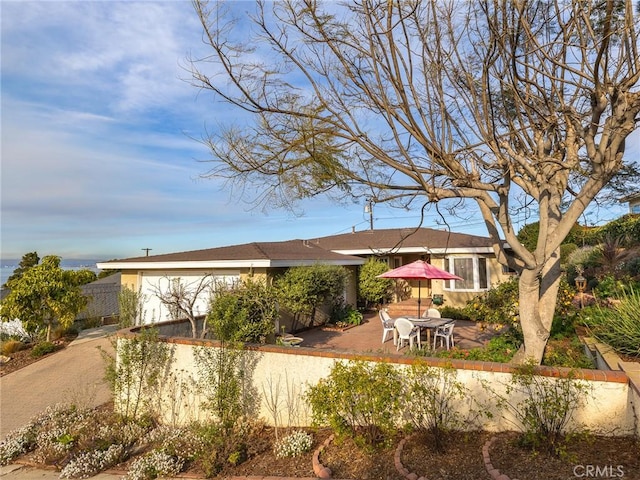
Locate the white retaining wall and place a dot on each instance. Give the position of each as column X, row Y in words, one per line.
column 283, row 374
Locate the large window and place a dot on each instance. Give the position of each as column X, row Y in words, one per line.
column 473, row 271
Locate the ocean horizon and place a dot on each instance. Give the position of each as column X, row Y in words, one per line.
column 8, row 265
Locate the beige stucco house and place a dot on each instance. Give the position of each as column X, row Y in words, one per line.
column 223, row 264
column 468, row 256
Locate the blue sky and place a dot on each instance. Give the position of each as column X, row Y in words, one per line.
column 98, row 155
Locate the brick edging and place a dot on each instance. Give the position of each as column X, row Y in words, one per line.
column 491, row 470
column 397, row 461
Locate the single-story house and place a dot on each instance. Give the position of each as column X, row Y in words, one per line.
column 468, row 256
column 228, row 265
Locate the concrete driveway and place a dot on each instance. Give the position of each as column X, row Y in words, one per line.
column 73, row 375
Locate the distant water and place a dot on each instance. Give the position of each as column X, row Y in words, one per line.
column 9, row 265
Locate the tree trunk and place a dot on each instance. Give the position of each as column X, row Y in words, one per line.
column 537, row 306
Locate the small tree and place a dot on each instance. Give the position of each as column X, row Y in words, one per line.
column 45, row 294
column 29, row 260
column 181, row 298
column 136, row 372
column 302, row 290
column 371, row 288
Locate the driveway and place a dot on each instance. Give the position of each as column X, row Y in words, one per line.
column 73, row 375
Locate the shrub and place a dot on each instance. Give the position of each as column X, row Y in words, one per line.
column 498, row 349
column 545, row 409
column 371, row 289
column 618, row 326
column 136, row 376
column 359, row 400
column 225, row 381
column 43, row 348
column 223, row 446
column 11, row 346
column 432, row 396
column 301, row 290
column 345, row 314
column 498, row 305
column 454, row 313
column 632, row 267
column 244, row 313
column 294, row 444
column 612, row 287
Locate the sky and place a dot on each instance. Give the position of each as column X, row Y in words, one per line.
column 99, row 140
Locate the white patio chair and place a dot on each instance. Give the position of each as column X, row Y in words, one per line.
column 407, row 331
column 387, row 325
column 431, row 313
column 445, row 334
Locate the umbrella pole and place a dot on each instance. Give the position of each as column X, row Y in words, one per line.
column 419, row 291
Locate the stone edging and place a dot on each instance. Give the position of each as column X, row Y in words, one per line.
column 320, row 470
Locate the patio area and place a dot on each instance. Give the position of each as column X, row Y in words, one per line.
column 367, row 337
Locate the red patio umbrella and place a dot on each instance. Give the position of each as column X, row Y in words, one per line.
column 419, row 270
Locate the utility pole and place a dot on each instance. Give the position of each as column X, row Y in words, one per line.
column 146, row 250
column 368, row 208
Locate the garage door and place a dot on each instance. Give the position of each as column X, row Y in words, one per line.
column 152, row 284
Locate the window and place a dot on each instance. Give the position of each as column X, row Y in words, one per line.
column 473, row 270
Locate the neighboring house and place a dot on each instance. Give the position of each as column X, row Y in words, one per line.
column 223, row 264
column 103, row 298
column 468, row 256
column 634, row 202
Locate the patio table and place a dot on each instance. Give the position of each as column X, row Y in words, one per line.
column 429, row 323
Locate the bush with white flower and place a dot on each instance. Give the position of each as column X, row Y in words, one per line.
column 294, row 444
column 153, row 465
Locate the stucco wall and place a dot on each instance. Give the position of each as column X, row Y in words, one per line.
column 286, row 372
column 459, row 299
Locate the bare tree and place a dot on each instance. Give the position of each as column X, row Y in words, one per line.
column 181, row 299
column 506, row 103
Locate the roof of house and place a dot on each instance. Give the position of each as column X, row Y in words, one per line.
column 335, row 249
column 630, row 197
column 255, row 254
column 403, row 240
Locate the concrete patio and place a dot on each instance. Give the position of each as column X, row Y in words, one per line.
column 367, row 337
